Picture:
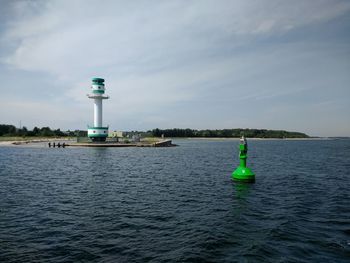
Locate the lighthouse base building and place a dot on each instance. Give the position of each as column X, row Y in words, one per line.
column 98, row 133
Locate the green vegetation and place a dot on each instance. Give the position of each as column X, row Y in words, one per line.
column 228, row 133
column 11, row 131
column 142, row 134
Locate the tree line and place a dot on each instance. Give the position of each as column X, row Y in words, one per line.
column 228, row 133
column 10, row 130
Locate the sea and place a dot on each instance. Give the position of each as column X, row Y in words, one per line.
column 176, row 204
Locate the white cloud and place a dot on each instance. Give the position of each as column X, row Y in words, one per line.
column 157, row 54
column 115, row 34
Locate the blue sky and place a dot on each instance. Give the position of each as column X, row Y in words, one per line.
column 186, row 64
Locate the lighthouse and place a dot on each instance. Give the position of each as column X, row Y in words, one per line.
column 97, row 133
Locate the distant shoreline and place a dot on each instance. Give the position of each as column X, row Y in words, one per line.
column 253, row 138
column 8, row 141
column 15, row 141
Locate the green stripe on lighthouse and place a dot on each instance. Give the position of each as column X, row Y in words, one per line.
column 98, row 91
column 98, row 128
column 98, row 135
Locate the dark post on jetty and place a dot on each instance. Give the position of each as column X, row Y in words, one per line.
column 63, row 145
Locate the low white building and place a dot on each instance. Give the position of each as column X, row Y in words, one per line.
column 116, row 134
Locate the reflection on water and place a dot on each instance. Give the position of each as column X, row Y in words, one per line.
column 242, row 189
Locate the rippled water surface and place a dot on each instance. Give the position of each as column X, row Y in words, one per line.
column 176, row 204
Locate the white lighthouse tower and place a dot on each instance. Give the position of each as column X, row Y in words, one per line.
column 98, row 133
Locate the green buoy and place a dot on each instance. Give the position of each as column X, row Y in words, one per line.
column 242, row 172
